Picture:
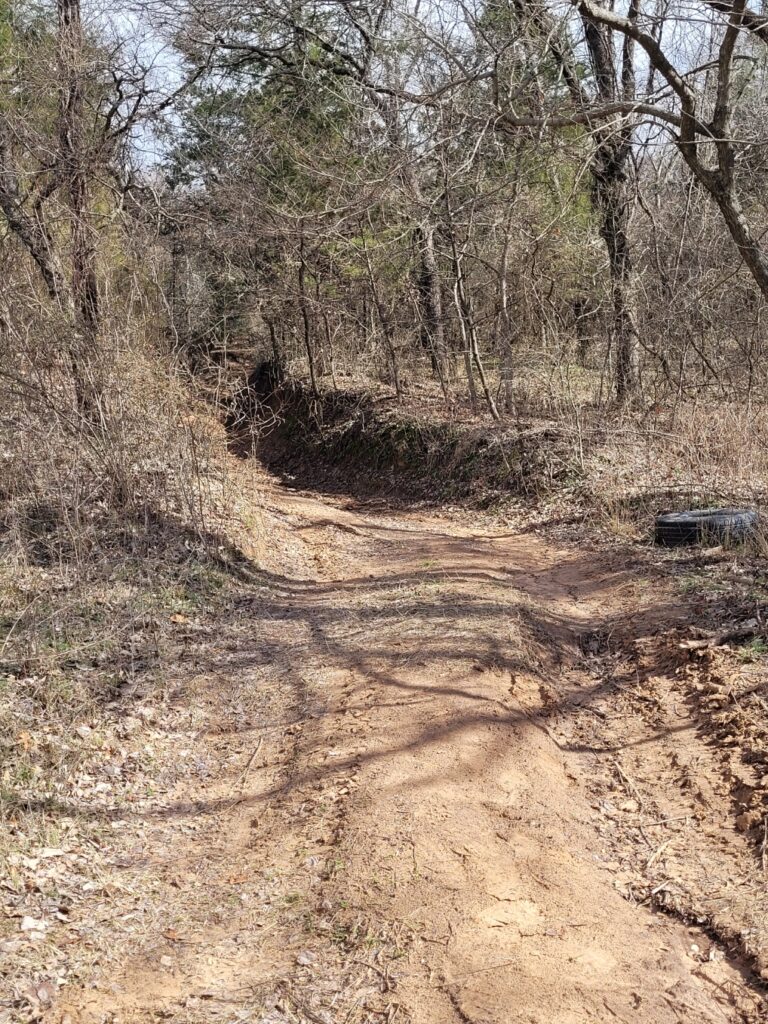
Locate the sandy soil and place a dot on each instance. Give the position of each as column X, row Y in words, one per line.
column 422, row 807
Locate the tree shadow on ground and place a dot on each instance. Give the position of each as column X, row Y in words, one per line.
column 413, row 634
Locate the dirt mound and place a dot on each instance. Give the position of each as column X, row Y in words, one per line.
column 356, row 442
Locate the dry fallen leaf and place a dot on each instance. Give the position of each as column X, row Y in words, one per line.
column 25, row 741
column 33, row 929
column 31, row 924
column 40, row 993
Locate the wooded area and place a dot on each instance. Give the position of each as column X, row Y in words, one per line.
column 376, row 644
column 471, row 192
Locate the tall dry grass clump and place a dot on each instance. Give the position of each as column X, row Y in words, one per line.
column 71, row 487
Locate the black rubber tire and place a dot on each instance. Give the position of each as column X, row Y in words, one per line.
column 706, row 526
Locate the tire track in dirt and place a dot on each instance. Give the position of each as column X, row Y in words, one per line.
column 469, row 823
column 413, row 842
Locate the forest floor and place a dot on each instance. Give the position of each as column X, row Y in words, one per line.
column 427, row 769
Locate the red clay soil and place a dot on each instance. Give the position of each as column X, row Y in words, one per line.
column 427, row 804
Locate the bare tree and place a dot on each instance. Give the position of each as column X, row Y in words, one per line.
column 694, row 132
column 73, row 173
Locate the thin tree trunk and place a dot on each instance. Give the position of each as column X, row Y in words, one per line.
column 28, row 228
column 505, row 332
column 470, row 378
column 74, row 172
column 433, row 327
column 329, row 345
column 276, row 355
column 469, row 338
column 612, row 203
column 383, row 320
column 467, row 323
column 322, row 356
column 179, row 292
column 428, row 274
column 305, row 320
column 583, row 315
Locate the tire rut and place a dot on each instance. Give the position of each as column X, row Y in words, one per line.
column 424, row 845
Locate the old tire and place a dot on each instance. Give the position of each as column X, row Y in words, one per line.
column 706, row 526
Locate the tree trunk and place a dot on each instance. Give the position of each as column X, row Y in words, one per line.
column 748, row 245
column 276, row 353
column 329, row 346
column 469, row 335
column 428, row 280
column 609, row 169
column 179, row 298
column 74, row 173
column 306, row 321
column 611, row 202
column 29, row 229
column 470, row 382
column 383, row 321
column 505, row 331
column 427, row 274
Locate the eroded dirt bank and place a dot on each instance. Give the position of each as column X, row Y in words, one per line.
column 420, row 804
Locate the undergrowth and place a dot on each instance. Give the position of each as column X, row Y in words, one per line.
column 116, row 537
column 617, row 467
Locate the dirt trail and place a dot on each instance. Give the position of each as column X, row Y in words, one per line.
column 402, row 836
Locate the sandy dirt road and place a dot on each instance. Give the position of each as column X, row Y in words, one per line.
column 394, row 832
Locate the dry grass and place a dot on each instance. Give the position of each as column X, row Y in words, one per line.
column 690, row 457
column 118, row 542
column 112, row 534
column 563, row 447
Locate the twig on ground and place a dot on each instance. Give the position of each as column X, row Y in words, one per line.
column 251, row 759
